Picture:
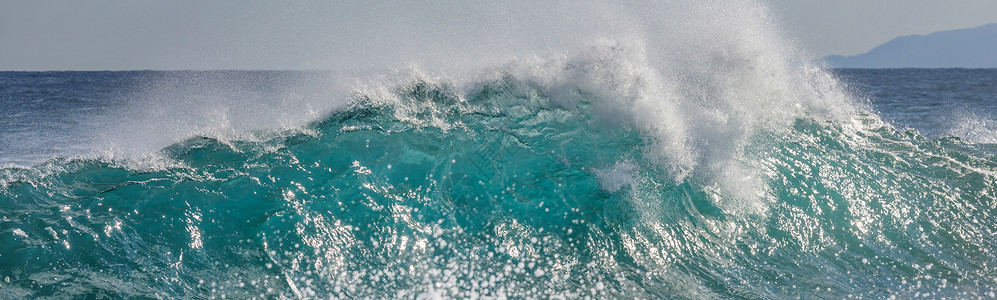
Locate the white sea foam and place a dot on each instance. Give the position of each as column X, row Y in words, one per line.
column 700, row 81
column 974, row 128
column 613, row 178
column 222, row 105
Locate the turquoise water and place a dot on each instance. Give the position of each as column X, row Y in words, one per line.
column 688, row 151
column 509, row 188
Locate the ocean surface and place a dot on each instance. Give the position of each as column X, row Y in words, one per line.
column 607, row 174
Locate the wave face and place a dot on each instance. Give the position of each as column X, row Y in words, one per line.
column 515, row 187
column 715, row 165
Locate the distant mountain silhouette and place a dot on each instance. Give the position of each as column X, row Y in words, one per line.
column 961, row 48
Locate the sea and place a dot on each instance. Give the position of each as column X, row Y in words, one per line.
column 607, row 173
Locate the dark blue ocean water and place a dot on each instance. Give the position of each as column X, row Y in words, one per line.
column 44, row 113
column 264, row 184
column 936, row 102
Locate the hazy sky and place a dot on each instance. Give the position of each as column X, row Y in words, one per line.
column 850, row 27
column 187, row 34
